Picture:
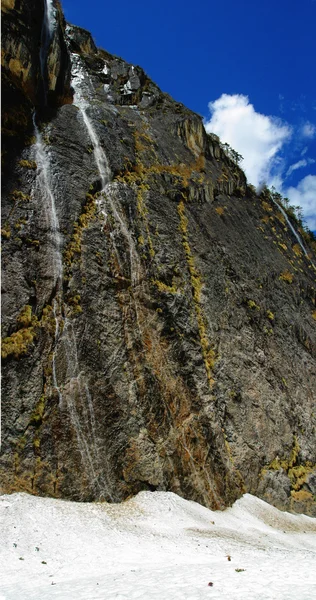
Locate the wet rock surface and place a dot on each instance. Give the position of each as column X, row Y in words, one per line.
column 175, row 348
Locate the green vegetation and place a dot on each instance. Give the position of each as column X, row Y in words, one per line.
column 48, row 319
column 220, row 210
column 33, row 243
column 139, row 173
column 20, row 341
column 294, row 213
column 234, row 156
column 283, row 246
column 25, row 317
column 286, row 276
column 74, row 302
column 143, row 213
column 253, row 305
column 196, row 283
column 18, row 195
column 302, row 496
column 6, row 232
column 73, row 249
column 28, row 164
column 37, row 415
column 285, row 464
column 162, row 287
column 297, row 474
column 138, row 176
column 297, row 250
column 280, row 216
column 267, row 206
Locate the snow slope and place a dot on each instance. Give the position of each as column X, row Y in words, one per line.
column 154, row 546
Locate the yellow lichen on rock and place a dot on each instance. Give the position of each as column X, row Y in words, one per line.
column 7, row 5
column 20, row 341
column 17, row 68
column 196, row 282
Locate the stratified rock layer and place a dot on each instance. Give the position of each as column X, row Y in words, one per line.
column 176, row 349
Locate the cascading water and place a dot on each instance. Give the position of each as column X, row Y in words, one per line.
column 56, row 337
column 73, row 392
column 79, row 405
column 82, row 87
column 48, row 27
column 42, row 160
column 81, row 99
column 77, row 391
column 74, row 397
column 48, row 202
column 53, row 261
column 196, row 470
column 296, row 235
column 44, row 188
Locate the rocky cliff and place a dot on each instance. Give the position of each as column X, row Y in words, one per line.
column 158, row 314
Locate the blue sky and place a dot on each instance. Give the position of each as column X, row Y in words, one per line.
column 247, row 68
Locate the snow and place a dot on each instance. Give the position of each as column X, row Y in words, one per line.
column 127, row 89
column 154, row 546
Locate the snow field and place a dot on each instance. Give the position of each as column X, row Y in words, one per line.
column 154, row 546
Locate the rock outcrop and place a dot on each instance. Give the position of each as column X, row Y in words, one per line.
column 158, row 315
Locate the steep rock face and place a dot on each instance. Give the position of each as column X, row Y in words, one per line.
column 159, row 316
column 23, row 35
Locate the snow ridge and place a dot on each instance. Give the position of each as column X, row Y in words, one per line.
column 154, row 546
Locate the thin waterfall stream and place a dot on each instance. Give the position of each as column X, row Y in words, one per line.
column 48, row 27
column 73, row 391
column 53, row 262
column 296, row 235
column 45, row 188
column 81, row 86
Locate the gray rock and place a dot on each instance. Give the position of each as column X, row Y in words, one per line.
column 177, row 349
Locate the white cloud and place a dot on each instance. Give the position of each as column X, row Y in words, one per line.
column 308, row 130
column 258, row 138
column 304, row 195
column 298, row 165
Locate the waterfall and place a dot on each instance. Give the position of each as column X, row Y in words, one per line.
column 73, row 392
column 74, row 397
column 296, row 235
column 48, row 27
column 49, row 16
column 77, row 399
column 56, row 337
column 99, row 155
column 82, row 87
column 48, row 201
column 81, row 100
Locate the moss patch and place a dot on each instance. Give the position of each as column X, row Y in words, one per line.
column 73, row 250
column 28, row 164
column 297, row 474
column 20, row 341
column 196, row 283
